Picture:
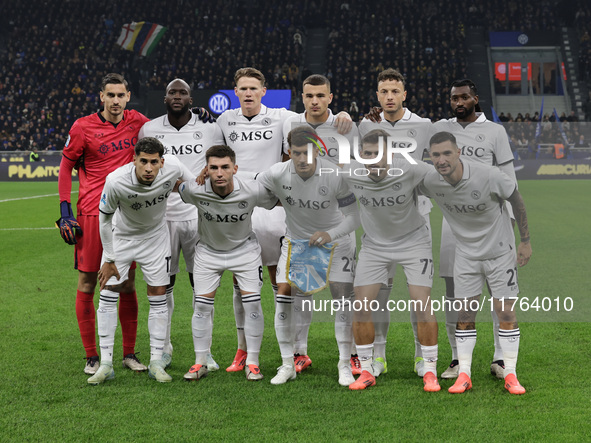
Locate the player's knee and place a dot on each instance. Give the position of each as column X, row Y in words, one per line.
column 283, row 288
column 465, row 326
column 127, row 286
column 87, row 281
column 156, row 290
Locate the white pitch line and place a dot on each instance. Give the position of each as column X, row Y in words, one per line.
column 25, row 229
column 34, row 196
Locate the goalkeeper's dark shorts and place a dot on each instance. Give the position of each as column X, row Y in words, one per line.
column 89, row 249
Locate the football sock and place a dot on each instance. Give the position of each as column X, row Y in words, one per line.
column 170, row 305
column 365, row 354
column 201, row 324
column 157, row 320
column 415, row 331
column 381, row 320
column 343, row 322
column 498, row 355
column 451, row 319
column 86, row 321
column 239, row 317
column 284, row 328
column 466, row 340
column 128, row 317
column 303, row 318
column 106, row 317
column 509, row 339
column 429, row 354
column 254, row 325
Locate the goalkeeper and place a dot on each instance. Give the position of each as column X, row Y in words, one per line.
column 97, row 145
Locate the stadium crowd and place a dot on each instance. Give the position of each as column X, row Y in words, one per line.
column 49, row 64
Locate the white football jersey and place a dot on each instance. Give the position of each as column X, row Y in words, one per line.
column 258, row 142
column 141, row 207
column 310, row 205
column 483, row 141
column 388, row 207
column 410, row 128
column 474, row 209
column 330, row 146
column 188, row 144
column 225, row 222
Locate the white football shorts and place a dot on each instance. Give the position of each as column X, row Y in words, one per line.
column 500, row 273
column 343, row 261
column 414, row 253
column 269, row 227
column 151, row 254
column 183, row 236
column 244, row 262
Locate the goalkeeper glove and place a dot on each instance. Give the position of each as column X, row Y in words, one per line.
column 68, row 225
column 203, row 115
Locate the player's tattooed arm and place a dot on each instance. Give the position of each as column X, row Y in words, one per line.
column 374, row 114
column 524, row 250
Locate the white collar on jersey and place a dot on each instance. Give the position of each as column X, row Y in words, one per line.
column 192, row 121
column 209, row 189
column 480, row 118
column 329, row 121
column 406, row 116
column 262, row 111
column 136, row 182
column 465, row 173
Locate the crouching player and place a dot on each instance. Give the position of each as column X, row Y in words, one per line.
column 139, row 190
column 225, row 204
column 471, row 197
column 395, row 233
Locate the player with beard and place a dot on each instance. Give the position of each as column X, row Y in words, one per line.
column 482, row 141
column 185, row 136
column 97, row 145
column 406, row 129
column 471, row 195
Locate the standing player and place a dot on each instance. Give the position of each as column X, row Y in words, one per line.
column 316, row 97
column 321, row 208
column 185, row 136
column 255, row 133
column 395, row 233
column 486, row 142
column 471, row 196
column 138, row 191
column 97, row 145
column 408, row 131
column 227, row 243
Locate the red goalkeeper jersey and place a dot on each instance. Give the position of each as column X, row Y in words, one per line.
column 98, row 147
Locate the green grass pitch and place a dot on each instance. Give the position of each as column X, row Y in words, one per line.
column 44, row 395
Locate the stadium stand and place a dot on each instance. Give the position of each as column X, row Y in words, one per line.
column 50, row 64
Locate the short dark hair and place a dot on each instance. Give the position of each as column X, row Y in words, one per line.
column 441, row 137
column 317, row 80
column 465, row 82
column 114, row 79
column 249, row 72
column 373, row 137
column 149, row 145
column 220, row 151
column 391, row 74
column 301, row 136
